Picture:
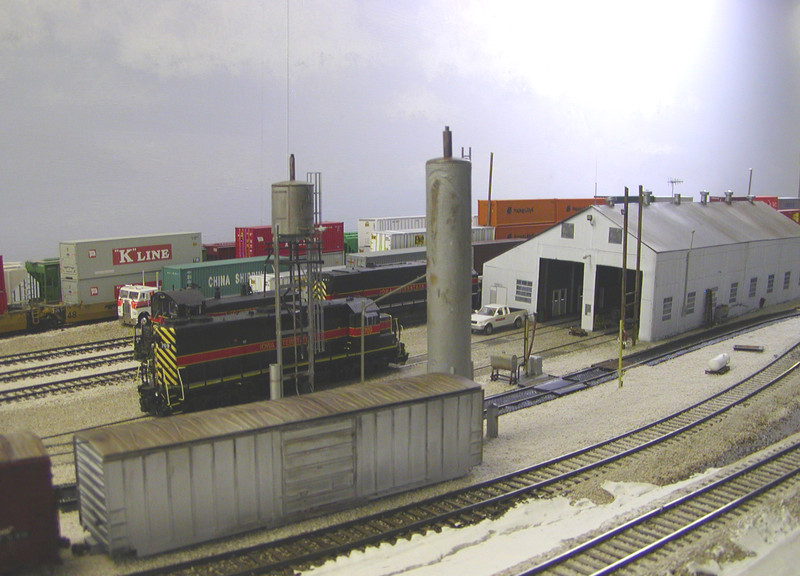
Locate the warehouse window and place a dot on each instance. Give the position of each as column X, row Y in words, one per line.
column 524, row 291
column 770, row 283
column 666, row 311
column 753, row 285
column 690, row 299
column 787, row 279
column 734, row 290
column 567, row 230
column 615, row 235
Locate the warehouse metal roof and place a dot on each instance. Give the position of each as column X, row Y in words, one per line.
column 668, row 227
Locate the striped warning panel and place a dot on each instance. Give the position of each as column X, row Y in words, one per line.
column 166, row 362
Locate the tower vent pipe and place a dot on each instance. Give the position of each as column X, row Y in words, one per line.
column 448, row 142
column 291, row 166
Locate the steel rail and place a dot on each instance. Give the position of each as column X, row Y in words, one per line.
column 74, row 350
column 485, row 500
column 69, row 385
column 640, row 537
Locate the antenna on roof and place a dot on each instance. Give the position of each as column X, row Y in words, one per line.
column 672, row 182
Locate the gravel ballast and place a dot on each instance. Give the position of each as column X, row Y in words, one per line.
column 526, row 437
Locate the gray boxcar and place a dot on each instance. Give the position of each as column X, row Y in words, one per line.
column 163, row 484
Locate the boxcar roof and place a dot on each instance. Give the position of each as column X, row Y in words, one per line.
column 118, row 441
column 18, row 446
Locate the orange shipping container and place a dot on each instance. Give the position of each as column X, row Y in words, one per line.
column 512, row 212
column 566, row 207
column 520, row 231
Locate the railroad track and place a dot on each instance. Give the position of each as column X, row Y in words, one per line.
column 637, row 540
column 525, row 396
column 70, row 385
column 59, row 449
column 486, row 500
column 514, row 339
column 51, row 353
column 66, row 366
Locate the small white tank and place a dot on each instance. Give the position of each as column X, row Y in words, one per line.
column 718, row 362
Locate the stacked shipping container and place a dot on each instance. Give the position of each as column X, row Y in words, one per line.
column 368, row 226
column 257, row 240
column 527, row 218
column 793, row 214
column 226, row 275
column 92, row 271
column 415, row 237
column 219, row 251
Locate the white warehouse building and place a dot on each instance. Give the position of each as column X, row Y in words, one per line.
column 700, row 263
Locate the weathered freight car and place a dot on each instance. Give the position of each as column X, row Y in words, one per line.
column 200, row 362
column 154, row 486
column 29, row 529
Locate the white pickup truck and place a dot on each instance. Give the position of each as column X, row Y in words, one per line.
column 493, row 316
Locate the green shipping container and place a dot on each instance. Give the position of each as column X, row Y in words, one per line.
column 227, row 275
column 47, row 273
column 350, row 242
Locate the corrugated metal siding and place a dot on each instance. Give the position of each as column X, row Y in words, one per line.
column 163, row 484
column 91, row 493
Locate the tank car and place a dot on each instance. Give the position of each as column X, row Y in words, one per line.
column 198, row 362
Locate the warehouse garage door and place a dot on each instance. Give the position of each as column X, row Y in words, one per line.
column 608, row 293
column 560, row 288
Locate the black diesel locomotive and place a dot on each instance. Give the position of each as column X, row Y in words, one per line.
column 379, row 281
column 203, row 361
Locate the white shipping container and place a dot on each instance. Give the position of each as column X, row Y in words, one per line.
column 366, row 226
column 415, row 238
column 482, row 233
column 102, row 257
column 152, row 486
column 384, row 257
column 101, row 289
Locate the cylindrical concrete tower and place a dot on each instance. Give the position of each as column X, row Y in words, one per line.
column 449, row 273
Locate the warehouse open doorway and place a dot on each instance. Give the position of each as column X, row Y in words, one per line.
column 608, row 296
column 560, row 289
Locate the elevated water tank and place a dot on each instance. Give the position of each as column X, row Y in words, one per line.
column 293, row 206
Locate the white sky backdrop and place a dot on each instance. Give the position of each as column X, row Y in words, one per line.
column 129, row 117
